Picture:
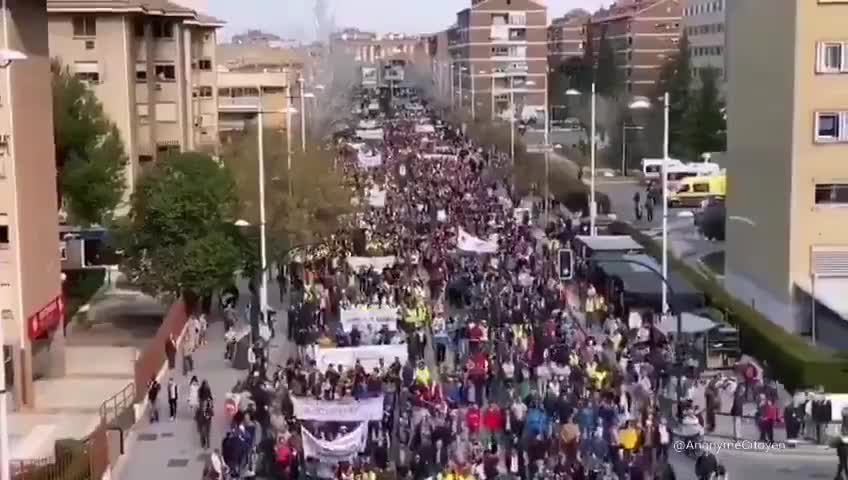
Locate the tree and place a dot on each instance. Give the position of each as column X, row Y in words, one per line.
column 180, row 235
column 705, row 123
column 89, row 152
column 319, row 200
column 676, row 80
column 607, row 76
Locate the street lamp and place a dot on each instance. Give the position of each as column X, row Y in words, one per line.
column 643, row 104
column 547, row 148
column 624, row 129
column 303, row 96
column 7, row 57
column 593, row 207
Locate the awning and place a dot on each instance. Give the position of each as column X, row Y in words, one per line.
column 830, row 292
column 691, row 324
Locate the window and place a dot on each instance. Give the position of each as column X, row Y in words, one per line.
column 87, row 71
column 500, row 51
column 165, row 72
column 143, row 112
column 138, row 28
column 204, row 64
column 828, row 127
column 163, row 29
column 701, row 187
column 4, row 237
column 141, row 72
column 202, row 92
column 63, row 251
column 831, row 57
column 85, row 26
column 166, row 112
column 517, row 51
column 145, row 159
column 832, row 194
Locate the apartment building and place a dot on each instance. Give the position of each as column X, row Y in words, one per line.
column 567, row 36
column 151, row 64
column 31, row 303
column 787, row 228
column 644, row 34
column 440, row 64
column 499, row 51
column 254, row 77
column 371, row 48
column 703, row 24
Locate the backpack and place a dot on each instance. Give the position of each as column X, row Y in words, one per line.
column 283, row 454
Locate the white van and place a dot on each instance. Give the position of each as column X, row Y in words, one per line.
column 677, row 173
column 651, row 167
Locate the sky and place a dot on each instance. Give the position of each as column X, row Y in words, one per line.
column 293, row 18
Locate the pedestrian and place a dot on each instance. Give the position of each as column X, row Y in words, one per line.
column 842, row 457
column 649, row 209
column 171, row 352
column 737, row 408
column 637, row 205
column 188, row 346
column 173, row 396
column 193, row 394
column 152, row 395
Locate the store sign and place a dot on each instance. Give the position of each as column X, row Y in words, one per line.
column 46, row 319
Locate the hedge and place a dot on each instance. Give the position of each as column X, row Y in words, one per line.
column 789, row 358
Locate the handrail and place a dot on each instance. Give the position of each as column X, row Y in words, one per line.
column 114, row 406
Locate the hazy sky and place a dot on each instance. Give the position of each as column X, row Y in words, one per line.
column 293, row 18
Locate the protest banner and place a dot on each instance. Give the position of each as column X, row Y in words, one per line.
column 366, row 410
column 368, row 355
column 332, row 452
column 369, row 319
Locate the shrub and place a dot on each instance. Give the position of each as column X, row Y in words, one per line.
column 78, row 288
column 790, row 359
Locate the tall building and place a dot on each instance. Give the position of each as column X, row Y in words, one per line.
column 372, row 48
column 497, row 48
column 787, row 229
column 567, row 36
column 644, row 34
column 151, row 64
column 31, row 304
column 703, row 24
column 254, row 76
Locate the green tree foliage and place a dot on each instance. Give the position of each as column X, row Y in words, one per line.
column 705, row 123
column 89, row 152
column 676, row 79
column 319, row 199
column 179, row 235
column 607, row 76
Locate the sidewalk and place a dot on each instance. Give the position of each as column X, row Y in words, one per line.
column 171, row 450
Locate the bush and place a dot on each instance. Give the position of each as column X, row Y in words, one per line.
column 565, row 187
column 790, row 359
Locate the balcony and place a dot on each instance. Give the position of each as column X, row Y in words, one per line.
column 238, row 104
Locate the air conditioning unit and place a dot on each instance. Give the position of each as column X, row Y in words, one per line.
column 157, row 87
column 89, row 44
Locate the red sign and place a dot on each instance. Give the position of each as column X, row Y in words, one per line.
column 46, row 319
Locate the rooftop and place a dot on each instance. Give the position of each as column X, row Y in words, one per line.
column 148, row 7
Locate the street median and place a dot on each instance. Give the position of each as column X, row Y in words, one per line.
column 789, row 358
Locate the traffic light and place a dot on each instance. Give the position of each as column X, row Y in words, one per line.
column 566, row 264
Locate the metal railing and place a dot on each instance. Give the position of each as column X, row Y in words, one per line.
column 116, row 405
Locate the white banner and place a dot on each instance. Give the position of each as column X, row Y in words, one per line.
column 367, row 124
column 379, row 263
column 426, row 128
column 377, row 198
column 366, row 410
column 370, row 161
column 339, row 450
column 469, row 243
column 369, row 319
column 368, row 355
column 439, row 156
column 370, row 134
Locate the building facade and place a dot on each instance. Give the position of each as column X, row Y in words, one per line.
column 31, row 303
column 787, row 229
column 372, row 48
column 644, row 34
column 499, row 52
column 567, row 36
column 151, row 65
column 704, row 26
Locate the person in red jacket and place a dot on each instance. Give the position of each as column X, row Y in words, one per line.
column 493, row 419
column 473, row 419
column 769, row 415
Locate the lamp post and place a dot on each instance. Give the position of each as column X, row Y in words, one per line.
column 547, row 148
column 7, row 57
column 593, row 207
column 624, row 129
column 642, row 104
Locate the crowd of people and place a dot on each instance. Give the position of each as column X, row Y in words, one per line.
column 503, row 375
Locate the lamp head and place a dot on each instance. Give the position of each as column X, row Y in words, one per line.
column 7, row 56
column 572, row 92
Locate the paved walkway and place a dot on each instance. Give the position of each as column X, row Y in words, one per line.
column 171, row 450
